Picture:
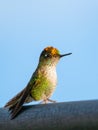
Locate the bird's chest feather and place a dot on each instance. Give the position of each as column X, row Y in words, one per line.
column 47, row 83
column 51, row 76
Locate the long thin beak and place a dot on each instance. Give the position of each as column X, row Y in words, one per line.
column 65, row 54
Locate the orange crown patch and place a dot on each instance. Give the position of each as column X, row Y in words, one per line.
column 52, row 50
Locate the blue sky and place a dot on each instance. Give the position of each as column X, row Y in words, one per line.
column 26, row 27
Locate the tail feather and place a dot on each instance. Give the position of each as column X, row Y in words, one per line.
column 14, row 100
column 11, row 108
column 15, row 104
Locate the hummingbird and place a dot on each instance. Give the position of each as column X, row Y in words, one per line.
column 42, row 83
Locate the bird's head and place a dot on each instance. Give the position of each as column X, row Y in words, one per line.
column 50, row 56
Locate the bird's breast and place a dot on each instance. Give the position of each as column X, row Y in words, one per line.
column 52, row 75
column 46, row 83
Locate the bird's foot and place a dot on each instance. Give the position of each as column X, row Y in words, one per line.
column 45, row 101
column 52, row 101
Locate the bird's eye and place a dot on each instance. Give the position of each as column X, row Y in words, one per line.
column 46, row 55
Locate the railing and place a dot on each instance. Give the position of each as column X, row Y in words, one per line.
column 78, row 115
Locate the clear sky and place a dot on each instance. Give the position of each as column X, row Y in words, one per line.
column 26, row 27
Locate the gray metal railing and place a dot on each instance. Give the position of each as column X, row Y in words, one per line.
column 77, row 115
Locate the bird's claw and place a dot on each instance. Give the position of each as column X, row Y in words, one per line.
column 47, row 101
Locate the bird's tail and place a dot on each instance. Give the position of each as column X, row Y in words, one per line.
column 13, row 102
